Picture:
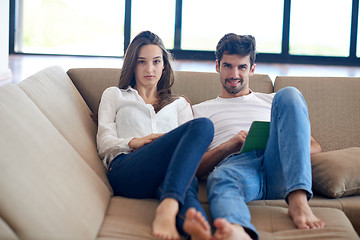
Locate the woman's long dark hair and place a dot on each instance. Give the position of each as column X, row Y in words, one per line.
column 166, row 81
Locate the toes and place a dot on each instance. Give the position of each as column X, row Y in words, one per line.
column 190, row 213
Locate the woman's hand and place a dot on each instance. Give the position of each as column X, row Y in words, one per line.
column 136, row 143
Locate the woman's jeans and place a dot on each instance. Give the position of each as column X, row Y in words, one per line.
column 165, row 168
column 283, row 167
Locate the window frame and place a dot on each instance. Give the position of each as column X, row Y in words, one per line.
column 283, row 57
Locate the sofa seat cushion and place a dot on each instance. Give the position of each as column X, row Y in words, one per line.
column 336, row 173
column 47, row 190
column 131, row 219
column 273, row 223
column 349, row 205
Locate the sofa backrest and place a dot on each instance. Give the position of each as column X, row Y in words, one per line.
column 92, row 82
column 48, row 191
column 196, row 86
column 334, row 108
column 202, row 86
column 53, row 92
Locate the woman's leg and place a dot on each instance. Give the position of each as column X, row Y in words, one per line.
column 191, row 201
column 166, row 166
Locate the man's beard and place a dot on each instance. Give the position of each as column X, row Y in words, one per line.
column 234, row 90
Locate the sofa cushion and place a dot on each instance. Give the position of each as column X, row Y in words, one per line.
column 47, row 190
column 132, row 219
column 336, row 173
column 92, row 82
column 334, row 108
column 6, row 232
column 53, row 92
column 128, row 219
column 273, row 223
column 202, row 86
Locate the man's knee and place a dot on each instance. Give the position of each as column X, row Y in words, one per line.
column 289, row 96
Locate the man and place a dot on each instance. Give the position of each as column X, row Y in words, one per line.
column 282, row 170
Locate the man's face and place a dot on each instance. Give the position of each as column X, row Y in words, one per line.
column 235, row 72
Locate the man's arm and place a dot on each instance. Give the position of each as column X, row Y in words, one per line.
column 213, row 157
column 314, row 146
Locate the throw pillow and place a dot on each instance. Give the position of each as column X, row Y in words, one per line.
column 337, row 173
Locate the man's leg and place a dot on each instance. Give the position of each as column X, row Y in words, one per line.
column 287, row 156
column 234, row 182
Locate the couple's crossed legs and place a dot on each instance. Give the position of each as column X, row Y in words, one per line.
column 199, row 229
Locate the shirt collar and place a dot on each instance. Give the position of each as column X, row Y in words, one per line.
column 130, row 89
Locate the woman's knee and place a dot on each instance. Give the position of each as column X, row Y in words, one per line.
column 204, row 126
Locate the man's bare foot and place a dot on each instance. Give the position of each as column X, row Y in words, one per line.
column 196, row 225
column 164, row 224
column 228, row 231
column 301, row 213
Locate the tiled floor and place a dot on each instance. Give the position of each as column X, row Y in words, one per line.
column 23, row 66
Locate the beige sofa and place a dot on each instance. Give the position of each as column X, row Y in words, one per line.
column 54, row 186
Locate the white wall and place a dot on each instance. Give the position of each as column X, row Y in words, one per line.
column 5, row 73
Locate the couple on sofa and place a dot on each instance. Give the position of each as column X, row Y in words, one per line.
column 155, row 145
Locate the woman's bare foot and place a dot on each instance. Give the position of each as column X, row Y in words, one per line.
column 301, row 213
column 196, row 225
column 164, row 224
column 228, row 231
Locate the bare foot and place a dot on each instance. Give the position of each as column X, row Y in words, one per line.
column 165, row 219
column 196, row 225
column 301, row 213
column 227, row 231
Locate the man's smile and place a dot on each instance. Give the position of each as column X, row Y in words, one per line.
column 234, row 81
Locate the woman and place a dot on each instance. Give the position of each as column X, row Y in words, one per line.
column 147, row 138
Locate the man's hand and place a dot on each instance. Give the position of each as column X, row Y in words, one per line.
column 213, row 157
column 235, row 143
column 136, row 143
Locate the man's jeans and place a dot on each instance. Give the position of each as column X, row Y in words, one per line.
column 165, row 168
column 283, row 167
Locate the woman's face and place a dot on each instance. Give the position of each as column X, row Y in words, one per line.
column 149, row 66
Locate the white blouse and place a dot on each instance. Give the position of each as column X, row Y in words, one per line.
column 124, row 115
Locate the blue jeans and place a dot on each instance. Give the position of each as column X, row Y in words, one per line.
column 283, row 167
column 165, row 168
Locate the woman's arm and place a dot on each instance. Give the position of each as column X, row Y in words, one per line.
column 107, row 137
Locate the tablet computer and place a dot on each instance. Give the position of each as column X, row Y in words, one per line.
column 257, row 137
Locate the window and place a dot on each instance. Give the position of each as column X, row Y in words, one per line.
column 320, row 27
column 358, row 37
column 157, row 16
column 286, row 31
column 204, row 22
column 81, row 27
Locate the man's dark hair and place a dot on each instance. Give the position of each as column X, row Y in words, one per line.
column 232, row 43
